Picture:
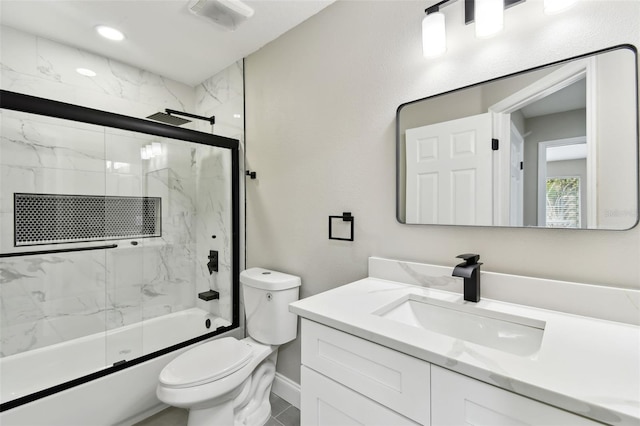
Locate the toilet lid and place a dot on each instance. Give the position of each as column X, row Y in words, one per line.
column 206, row 363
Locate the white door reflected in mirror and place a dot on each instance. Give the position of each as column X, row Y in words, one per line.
column 449, row 172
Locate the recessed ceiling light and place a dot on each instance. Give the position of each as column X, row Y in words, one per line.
column 110, row 33
column 86, row 72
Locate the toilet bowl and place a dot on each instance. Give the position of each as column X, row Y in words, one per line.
column 227, row 381
column 213, row 389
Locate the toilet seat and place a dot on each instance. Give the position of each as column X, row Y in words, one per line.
column 206, row 363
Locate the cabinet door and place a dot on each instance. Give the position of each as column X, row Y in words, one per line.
column 391, row 378
column 324, row 402
column 460, row 400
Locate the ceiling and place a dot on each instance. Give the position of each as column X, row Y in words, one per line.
column 162, row 36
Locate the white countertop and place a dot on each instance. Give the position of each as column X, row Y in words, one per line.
column 585, row 365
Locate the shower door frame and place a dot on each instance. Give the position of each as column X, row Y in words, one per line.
column 47, row 107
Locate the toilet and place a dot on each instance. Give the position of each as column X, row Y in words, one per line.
column 228, row 381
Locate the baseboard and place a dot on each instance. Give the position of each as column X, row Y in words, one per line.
column 286, row 389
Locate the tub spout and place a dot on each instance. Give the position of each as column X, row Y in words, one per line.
column 209, row 295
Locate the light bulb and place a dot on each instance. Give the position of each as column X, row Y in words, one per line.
column 434, row 36
column 489, row 17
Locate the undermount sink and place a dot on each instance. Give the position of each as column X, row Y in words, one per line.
column 497, row 330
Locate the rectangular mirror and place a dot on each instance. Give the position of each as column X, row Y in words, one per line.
column 551, row 147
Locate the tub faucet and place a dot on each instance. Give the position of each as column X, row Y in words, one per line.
column 469, row 270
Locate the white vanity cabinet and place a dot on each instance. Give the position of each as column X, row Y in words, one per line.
column 347, row 380
column 460, row 400
column 327, row 402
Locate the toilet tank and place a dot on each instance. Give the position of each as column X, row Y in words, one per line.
column 266, row 295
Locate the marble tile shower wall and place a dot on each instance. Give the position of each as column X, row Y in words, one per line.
column 52, row 298
column 44, row 68
column 64, row 296
column 222, row 96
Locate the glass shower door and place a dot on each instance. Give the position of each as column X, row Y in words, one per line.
column 114, row 238
column 52, row 289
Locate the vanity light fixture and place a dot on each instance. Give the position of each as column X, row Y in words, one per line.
column 434, row 35
column 488, row 16
column 110, row 33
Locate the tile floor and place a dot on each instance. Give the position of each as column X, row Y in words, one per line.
column 282, row 414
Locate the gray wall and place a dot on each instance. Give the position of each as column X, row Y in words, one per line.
column 320, row 128
column 563, row 125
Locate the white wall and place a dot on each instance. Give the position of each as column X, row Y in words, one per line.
column 321, row 103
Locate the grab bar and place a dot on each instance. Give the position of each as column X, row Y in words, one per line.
column 67, row 250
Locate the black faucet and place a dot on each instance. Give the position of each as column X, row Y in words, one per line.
column 470, row 271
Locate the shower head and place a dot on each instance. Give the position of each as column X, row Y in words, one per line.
column 168, row 119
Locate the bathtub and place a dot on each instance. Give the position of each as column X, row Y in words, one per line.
column 118, row 398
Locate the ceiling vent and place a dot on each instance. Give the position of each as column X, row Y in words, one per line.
column 226, row 13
